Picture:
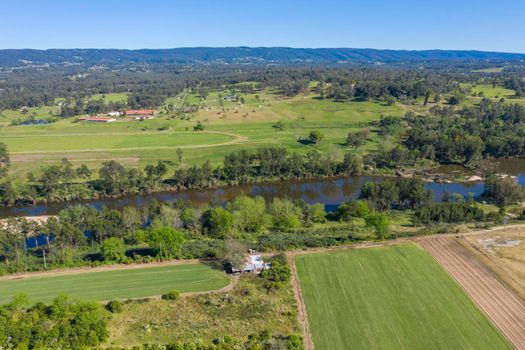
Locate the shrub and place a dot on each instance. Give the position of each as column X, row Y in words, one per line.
column 380, row 223
column 115, row 306
column 113, row 249
column 277, row 273
column 173, row 294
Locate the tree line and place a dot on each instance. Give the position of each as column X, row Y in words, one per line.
column 63, row 181
column 84, row 235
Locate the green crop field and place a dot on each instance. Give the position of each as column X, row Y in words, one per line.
column 112, row 284
column 389, row 298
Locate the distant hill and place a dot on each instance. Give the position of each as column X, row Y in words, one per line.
column 229, row 55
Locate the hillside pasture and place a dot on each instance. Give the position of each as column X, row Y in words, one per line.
column 393, row 297
column 119, row 283
column 265, row 119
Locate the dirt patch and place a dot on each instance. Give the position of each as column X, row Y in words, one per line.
column 501, row 305
column 503, row 251
column 497, row 242
column 301, row 307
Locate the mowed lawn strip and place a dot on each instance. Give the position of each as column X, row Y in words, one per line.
column 121, row 283
column 57, row 143
column 394, row 297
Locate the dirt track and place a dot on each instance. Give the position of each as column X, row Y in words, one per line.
column 502, row 306
column 301, row 315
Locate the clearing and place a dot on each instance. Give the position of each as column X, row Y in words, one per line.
column 121, row 283
column 503, row 251
column 393, row 297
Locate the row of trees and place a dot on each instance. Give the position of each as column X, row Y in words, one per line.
column 63, row 182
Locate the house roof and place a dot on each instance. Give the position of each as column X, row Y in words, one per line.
column 254, row 262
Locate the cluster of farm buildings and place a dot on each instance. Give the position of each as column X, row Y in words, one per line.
column 137, row 114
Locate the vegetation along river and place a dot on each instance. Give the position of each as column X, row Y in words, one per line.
column 329, row 191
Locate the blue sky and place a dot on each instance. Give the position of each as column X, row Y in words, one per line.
column 384, row 24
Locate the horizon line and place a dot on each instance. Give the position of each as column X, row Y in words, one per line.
column 259, row 47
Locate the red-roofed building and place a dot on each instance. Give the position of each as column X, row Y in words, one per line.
column 141, row 112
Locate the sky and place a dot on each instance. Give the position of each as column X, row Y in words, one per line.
column 382, row 24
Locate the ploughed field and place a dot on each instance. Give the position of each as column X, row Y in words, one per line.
column 501, row 305
column 115, row 283
column 395, row 297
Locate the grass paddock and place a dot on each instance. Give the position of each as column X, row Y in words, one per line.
column 116, row 283
column 389, row 298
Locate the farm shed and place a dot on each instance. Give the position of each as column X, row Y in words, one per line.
column 253, row 264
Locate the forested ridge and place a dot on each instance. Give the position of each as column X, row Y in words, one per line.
column 21, row 57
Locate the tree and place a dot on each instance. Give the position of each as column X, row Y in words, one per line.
column 154, row 173
column 454, row 100
column 179, row 155
column 249, row 214
column 315, row 213
column 357, row 139
column 351, row 165
column 199, row 126
column 113, row 249
column 83, row 172
column 380, row 223
column 502, row 191
column 7, row 193
column 427, row 97
column 315, row 136
column 131, row 219
column 12, row 244
column 353, row 209
column 218, row 222
column 4, row 160
column 167, row 241
column 285, row 214
column 112, row 176
column 234, row 253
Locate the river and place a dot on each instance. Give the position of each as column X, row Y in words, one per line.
column 331, row 192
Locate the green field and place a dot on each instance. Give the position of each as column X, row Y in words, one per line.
column 389, row 298
column 113, row 284
column 109, row 141
column 229, row 126
column 112, row 97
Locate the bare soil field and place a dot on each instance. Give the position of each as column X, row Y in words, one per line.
column 503, row 251
column 500, row 304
